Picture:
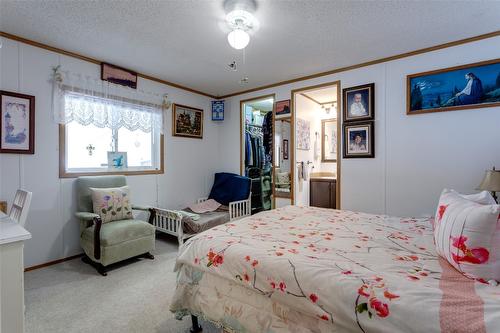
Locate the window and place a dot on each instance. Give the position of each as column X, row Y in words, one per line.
column 106, row 136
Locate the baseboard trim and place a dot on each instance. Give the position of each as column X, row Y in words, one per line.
column 50, row 263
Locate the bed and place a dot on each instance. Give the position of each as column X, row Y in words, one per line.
column 305, row 269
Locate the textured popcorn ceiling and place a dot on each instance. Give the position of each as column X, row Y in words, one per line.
column 184, row 41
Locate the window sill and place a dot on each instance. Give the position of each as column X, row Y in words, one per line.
column 67, row 174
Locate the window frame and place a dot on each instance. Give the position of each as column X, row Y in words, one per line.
column 63, row 173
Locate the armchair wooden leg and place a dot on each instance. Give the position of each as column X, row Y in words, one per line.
column 98, row 266
column 195, row 328
column 148, row 255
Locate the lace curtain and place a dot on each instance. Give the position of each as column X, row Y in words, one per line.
column 87, row 100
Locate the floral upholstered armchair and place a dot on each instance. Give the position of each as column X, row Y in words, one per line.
column 109, row 233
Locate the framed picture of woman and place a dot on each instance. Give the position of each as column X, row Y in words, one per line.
column 359, row 140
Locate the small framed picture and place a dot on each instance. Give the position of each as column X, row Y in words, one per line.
column 359, row 103
column 282, row 108
column 217, row 110
column 118, row 75
column 17, row 123
column 187, row 121
column 117, row 160
column 285, row 149
column 359, row 140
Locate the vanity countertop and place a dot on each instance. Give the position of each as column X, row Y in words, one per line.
column 324, row 177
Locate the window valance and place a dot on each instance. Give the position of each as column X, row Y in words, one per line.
column 87, row 101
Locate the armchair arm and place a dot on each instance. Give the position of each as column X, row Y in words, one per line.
column 86, row 216
column 96, row 219
column 146, row 209
column 143, row 208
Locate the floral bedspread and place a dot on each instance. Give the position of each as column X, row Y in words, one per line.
column 305, row 269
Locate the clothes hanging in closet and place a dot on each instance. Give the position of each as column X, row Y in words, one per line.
column 267, row 131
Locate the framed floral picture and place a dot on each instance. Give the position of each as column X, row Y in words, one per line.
column 187, row 121
column 359, row 140
column 17, row 123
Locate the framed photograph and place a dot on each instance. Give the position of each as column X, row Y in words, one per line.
column 187, row 121
column 359, row 140
column 282, row 107
column 329, row 140
column 217, row 110
column 456, row 88
column 17, row 123
column 303, row 134
column 359, row 103
column 118, row 75
column 117, row 160
column 285, row 149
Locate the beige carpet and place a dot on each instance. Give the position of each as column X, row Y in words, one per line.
column 134, row 297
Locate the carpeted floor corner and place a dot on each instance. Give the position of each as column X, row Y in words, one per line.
column 134, row 297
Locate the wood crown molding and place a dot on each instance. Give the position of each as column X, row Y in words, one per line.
column 369, row 63
column 272, row 85
column 98, row 62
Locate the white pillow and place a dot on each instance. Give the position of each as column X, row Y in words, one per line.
column 464, row 235
column 483, row 198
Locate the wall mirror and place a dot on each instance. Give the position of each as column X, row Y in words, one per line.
column 282, row 158
column 329, row 140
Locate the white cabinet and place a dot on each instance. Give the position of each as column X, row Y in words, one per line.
column 12, row 237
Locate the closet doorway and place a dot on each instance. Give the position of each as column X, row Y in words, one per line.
column 317, row 128
column 256, row 149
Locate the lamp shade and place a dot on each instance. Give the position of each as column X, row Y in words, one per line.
column 491, row 181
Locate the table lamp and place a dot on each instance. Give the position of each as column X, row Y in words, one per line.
column 491, row 182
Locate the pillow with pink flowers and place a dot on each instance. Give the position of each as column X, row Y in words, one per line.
column 464, row 235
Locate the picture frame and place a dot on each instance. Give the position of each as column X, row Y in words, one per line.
column 118, row 75
column 285, row 149
column 17, row 123
column 117, row 160
column 470, row 86
column 217, row 110
column 187, row 121
column 329, row 140
column 359, row 102
column 282, row 108
column 359, row 140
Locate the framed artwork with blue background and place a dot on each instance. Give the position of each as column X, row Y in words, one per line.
column 217, row 110
column 469, row 86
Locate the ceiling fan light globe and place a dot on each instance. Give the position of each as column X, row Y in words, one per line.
column 238, row 39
